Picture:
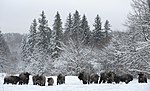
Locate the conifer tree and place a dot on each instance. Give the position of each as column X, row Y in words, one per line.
column 97, row 32
column 107, row 28
column 32, row 38
column 68, row 27
column 57, row 36
column 43, row 35
column 76, row 26
column 85, row 31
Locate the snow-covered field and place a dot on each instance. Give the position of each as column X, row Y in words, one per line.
column 74, row 84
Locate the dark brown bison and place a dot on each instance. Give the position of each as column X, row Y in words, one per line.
column 85, row 77
column 24, row 78
column 50, row 81
column 94, row 78
column 126, row 78
column 142, row 78
column 11, row 79
column 103, row 77
column 117, row 79
column 108, row 77
column 34, row 79
column 39, row 80
column 60, row 79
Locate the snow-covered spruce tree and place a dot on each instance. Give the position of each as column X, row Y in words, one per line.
column 43, row 34
column 98, row 34
column 85, row 31
column 40, row 57
column 57, row 36
column 36, row 49
column 76, row 29
column 68, row 28
column 32, row 38
column 107, row 32
column 5, row 63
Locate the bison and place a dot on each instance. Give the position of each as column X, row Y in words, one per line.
column 50, row 81
column 108, row 77
column 94, row 78
column 85, row 77
column 126, row 78
column 24, row 78
column 117, row 79
column 60, row 79
column 11, row 79
column 142, row 78
column 34, row 79
column 88, row 78
column 39, row 80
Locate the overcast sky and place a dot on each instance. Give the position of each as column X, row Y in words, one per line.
column 17, row 15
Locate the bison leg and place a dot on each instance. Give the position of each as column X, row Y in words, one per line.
column 84, row 82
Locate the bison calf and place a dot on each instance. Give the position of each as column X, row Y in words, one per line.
column 11, row 79
column 50, row 81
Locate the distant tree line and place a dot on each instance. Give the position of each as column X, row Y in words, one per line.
column 43, row 43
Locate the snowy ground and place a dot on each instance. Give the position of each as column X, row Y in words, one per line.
column 74, row 84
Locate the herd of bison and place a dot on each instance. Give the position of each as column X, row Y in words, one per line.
column 109, row 77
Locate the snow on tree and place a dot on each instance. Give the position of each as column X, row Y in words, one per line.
column 32, row 38
column 98, row 34
column 138, row 20
column 57, row 36
column 43, row 39
column 78, row 57
column 138, row 35
column 76, row 27
column 85, row 31
column 36, row 47
column 6, row 64
column 68, row 28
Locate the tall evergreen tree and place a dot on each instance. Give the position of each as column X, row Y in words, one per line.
column 76, row 26
column 107, row 28
column 68, row 27
column 43, row 35
column 85, row 31
column 97, row 32
column 57, row 27
column 57, row 36
column 32, row 38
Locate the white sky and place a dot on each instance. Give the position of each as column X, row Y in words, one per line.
column 17, row 15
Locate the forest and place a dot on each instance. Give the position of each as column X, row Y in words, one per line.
column 76, row 46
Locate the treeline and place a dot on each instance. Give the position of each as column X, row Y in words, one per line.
column 44, row 44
